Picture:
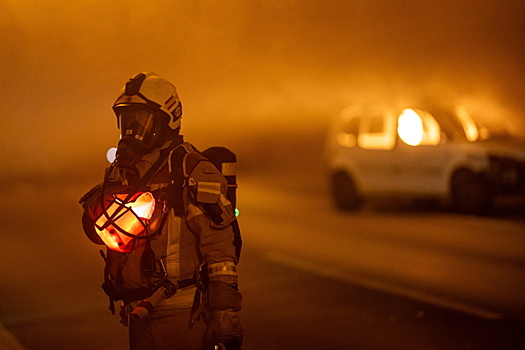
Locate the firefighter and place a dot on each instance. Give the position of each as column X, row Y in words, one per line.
column 163, row 213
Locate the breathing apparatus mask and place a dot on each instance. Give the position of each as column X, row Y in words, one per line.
column 141, row 132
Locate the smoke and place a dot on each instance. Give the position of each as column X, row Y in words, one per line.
column 245, row 69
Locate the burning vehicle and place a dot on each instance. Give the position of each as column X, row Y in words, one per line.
column 383, row 150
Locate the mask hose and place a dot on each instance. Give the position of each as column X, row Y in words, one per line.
column 128, row 152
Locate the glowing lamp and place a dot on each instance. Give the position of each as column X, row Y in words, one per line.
column 111, row 154
column 131, row 217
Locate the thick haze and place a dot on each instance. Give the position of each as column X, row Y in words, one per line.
column 251, row 69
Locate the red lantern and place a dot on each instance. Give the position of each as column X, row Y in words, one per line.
column 132, row 217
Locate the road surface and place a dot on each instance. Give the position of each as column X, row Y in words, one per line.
column 402, row 278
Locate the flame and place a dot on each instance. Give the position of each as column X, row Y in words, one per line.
column 410, row 127
column 468, row 124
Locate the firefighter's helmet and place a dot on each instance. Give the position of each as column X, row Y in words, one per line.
column 150, row 92
column 148, row 113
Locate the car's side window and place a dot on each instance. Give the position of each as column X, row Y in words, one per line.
column 377, row 132
column 349, row 131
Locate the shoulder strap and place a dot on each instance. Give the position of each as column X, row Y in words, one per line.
column 178, row 172
column 176, row 157
column 155, row 168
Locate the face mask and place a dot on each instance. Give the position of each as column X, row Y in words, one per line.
column 139, row 133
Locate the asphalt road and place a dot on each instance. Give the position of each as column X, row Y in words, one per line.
column 402, row 278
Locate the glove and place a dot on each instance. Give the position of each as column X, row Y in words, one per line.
column 225, row 324
column 227, row 328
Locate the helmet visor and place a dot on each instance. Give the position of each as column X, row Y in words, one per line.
column 139, row 124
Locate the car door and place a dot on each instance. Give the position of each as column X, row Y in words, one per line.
column 421, row 154
column 373, row 154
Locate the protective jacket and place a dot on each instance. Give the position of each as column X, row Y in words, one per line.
column 194, row 243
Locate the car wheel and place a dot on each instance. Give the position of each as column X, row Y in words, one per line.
column 344, row 192
column 471, row 194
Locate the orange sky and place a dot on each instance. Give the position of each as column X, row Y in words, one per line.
column 254, row 65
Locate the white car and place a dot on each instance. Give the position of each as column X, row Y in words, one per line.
column 381, row 150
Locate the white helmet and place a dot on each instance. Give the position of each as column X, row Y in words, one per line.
column 149, row 91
